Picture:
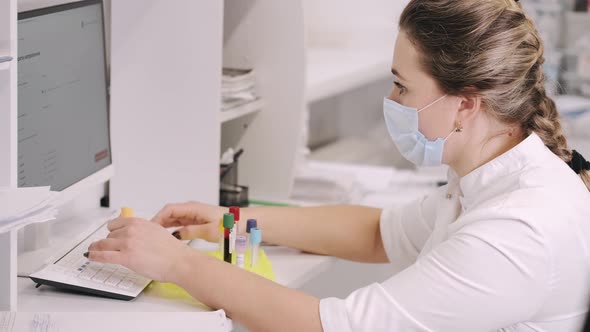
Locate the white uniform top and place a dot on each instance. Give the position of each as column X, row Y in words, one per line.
column 505, row 248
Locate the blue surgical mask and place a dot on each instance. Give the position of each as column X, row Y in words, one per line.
column 402, row 124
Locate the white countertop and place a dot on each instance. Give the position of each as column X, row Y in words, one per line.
column 292, row 269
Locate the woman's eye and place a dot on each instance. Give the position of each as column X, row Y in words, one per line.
column 402, row 89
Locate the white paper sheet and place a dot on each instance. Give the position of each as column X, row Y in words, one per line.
column 24, row 206
column 114, row 321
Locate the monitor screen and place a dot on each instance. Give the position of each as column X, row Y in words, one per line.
column 63, row 120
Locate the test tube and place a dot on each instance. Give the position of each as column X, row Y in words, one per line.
column 228, row 224
column 221, row 231
column 241, row 242
column 250, row 224
column 126, row 212
column 255, row 239
column 235, row 210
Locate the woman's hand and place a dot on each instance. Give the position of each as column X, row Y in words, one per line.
column 198, row 220
column 142, row 246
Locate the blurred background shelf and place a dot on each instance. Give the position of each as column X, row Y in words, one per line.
column 5, row 62
column 242, row 110
column 334, row 71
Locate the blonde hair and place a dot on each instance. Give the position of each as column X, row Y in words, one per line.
column 585, row 175
column 492, row 49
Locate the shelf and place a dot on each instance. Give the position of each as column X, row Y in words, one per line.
column 240, row 111
column 5, row 62
column 572, row 76
column 4, row 66
column 333, row 71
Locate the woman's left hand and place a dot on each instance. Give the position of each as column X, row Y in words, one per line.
column 142, row 246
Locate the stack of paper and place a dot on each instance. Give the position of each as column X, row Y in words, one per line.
column 24, row 206
column 345, row 183
column 328, row 188
column 238, row 88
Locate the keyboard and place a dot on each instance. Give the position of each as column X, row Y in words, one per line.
column 74, row 272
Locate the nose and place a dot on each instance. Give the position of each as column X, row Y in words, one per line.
column 393, row 94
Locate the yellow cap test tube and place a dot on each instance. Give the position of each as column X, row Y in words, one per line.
column 126, row 212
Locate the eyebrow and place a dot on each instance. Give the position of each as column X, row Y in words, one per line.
column 396, row 73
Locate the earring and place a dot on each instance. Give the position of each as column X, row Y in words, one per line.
column 459, row 127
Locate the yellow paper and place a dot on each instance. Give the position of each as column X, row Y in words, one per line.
column 177, row 293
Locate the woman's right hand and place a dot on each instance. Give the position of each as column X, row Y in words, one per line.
column 198, row 220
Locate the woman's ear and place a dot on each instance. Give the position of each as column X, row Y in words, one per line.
column 470, row 106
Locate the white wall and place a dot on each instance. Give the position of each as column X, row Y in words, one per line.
column 370, row 28
column 370, row 25
column 351, row 23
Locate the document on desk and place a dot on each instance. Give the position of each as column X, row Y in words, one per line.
column 114, row 321
column 23, row 206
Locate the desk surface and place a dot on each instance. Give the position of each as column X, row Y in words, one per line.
column 292, row 269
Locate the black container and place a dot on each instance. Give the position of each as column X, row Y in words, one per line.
column 581, row 5
column 237, row 196
column 230, row 192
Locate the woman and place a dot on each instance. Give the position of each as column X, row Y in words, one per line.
column 504, row 246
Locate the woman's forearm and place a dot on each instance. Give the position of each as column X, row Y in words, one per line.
column 349, row 232
column 257, row 303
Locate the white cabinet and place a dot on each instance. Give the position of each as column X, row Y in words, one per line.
column 8, row 93
column 267, row 35
column 165, row 101
column 167, row 130
column 8, row 137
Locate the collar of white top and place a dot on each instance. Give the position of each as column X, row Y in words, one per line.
column 481, row 180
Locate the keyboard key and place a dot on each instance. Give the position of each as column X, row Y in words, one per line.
column 98, row 266
column 119, row 275
column 78, row 262
column 88, row 273
column 109, row 268
column 101, row 276
column 126, row 284
column 113, row 281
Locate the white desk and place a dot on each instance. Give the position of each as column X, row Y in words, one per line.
column 49, row 299
column 292, row 269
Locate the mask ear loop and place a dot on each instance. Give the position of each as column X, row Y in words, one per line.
column 434, row 102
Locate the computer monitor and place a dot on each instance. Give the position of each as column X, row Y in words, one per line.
column 63, row 120
column 63, row 108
